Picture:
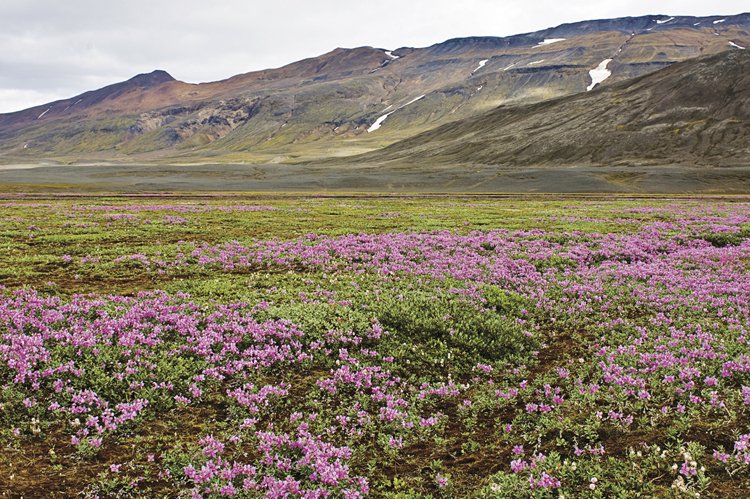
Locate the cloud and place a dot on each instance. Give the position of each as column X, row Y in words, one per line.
column 54, row 48
column 22, row 99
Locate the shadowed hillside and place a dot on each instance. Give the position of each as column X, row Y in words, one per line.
column 693, row 113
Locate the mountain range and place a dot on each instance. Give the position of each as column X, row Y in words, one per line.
column 629, row 91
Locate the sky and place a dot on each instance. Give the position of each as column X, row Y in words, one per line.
column 54, row 49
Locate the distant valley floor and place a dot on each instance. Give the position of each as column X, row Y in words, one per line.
column 306, row 178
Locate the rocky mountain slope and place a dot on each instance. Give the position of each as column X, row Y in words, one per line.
column 695, row 112
column 351, row 101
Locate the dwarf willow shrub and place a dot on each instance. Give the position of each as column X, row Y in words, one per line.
column 473, row 334
column 723, row 239
column 503, row 301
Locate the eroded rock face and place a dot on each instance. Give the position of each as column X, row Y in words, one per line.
column 214, row 120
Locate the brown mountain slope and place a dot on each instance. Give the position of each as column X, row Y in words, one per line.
column 126, row 94
column 692, row 113
column 327, row 105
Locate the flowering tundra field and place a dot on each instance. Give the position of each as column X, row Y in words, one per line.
column 403, row 347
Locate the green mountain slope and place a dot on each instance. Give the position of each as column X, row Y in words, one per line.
column 692, row 113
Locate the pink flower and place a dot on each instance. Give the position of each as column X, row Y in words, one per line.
column 441, row 481
column 396, row 443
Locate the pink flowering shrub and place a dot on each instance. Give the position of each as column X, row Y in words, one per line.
column 602, row 349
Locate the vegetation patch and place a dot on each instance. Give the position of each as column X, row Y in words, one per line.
column 224, row 346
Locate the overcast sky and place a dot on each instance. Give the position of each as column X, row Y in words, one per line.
column 52, row 49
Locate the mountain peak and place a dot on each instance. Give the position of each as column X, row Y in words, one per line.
column 156, row 77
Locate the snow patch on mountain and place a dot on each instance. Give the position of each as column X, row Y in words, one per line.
column 379, row 122
column 549, row 41
column 481, row 65
column 599, row 74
